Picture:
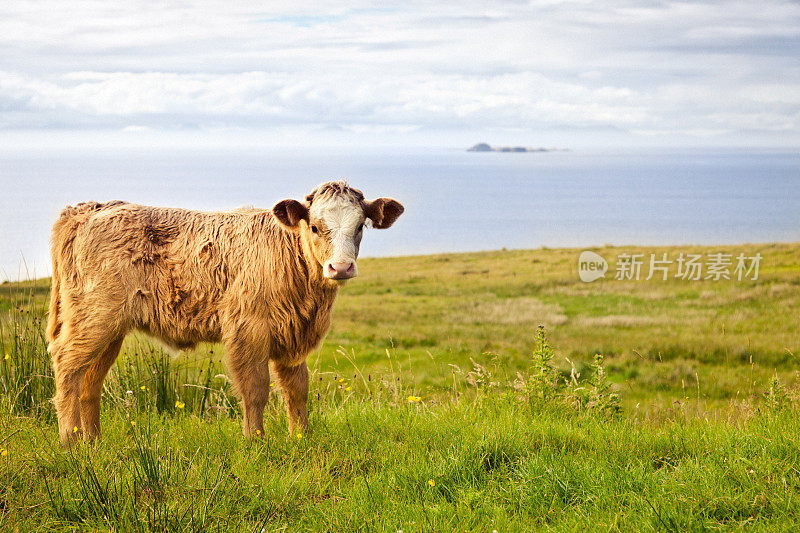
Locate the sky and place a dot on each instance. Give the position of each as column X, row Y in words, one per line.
column 540, row 73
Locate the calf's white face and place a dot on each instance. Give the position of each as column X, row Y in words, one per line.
column 332, row 221
column 337, row 225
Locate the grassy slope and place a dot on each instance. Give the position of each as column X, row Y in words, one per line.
column 692, row 448
column 659, row 337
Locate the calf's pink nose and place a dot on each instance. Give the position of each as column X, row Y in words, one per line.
column 341, row 270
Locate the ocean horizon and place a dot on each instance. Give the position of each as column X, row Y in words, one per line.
column 456, row 201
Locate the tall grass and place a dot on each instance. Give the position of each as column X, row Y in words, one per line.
column 26, row 377
column 145, row 376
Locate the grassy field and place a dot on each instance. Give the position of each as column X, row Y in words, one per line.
column 438, row 404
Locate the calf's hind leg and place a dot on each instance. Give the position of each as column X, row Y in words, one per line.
column 73, row 353
column 294, row 382
column 92, row 387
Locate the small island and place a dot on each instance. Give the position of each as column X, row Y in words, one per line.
column 483, row 147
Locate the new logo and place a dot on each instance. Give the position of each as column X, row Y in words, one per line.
column 591, row 266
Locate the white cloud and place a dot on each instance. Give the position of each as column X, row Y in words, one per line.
column 445, row 99
column 670, row 67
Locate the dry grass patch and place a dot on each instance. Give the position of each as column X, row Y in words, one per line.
column 522, row 310
column 625, row 321
column 782, row 290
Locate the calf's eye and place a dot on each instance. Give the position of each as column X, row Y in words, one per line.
column 314, row 229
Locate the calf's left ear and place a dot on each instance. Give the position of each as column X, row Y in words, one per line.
column 383, row 212
column 290, row 213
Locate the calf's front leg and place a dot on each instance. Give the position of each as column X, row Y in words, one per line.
column 251, row 379
column 294, row 383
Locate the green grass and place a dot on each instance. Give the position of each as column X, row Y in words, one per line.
column 495, row 463
column 687, row 423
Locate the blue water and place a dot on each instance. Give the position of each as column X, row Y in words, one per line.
column 455, row 200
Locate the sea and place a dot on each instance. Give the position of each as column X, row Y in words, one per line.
column 455, row 200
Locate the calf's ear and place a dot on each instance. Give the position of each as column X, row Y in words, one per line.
column 290, row 213
column 383, row 212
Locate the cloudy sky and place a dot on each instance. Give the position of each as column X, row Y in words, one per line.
column 539, row 73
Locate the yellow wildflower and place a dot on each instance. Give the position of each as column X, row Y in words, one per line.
column 414, row 399
column 179, row 404
column 4, row 452
column 341, row 380
column 299, row 434
column 432, row 483
column 258, row 432
column 133, row 423
column 347, row 389
column 75, row 429
column 143, row 387
column 8, row 356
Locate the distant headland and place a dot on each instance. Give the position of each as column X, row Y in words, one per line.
column 483, row 147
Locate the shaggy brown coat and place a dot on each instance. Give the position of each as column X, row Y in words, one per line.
column 250, row 279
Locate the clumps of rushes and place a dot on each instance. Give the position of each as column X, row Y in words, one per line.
column 777, row 398
column 543, row 386
column 598, row 396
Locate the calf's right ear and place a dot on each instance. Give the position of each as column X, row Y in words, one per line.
column 290, row 213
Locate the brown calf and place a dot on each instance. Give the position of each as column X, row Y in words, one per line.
column 261, row 282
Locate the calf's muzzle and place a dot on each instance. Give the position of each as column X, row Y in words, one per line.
column 340, row 270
